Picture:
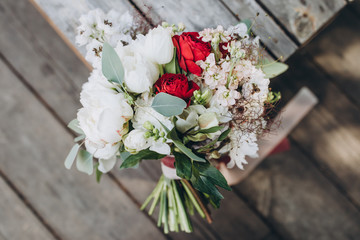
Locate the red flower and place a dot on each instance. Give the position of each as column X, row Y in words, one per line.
column 176, row 85
column 190, row 48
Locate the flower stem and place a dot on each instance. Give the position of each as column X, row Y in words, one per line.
column 202, row 206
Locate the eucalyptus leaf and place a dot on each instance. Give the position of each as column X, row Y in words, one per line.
column 171, row 66
column 168, row 105
column 74, row 125
column 112, row 67
column 173, row 136
column 84, row 162
column 79, row 138
column 183, row 165
column 134, row 159
column 71, row 156
column 248, row 23
column 273, row 69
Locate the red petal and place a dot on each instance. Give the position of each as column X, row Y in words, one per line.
column 193, row 68
column 186, row 50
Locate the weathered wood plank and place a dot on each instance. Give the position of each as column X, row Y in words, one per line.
column 331, row 133
column 34, row 146
column 337, row 51
column 270, row 33
column 17, row 222
column 45, row 60
column 66, row 13
column 298, row 200
column 303, row 18
column 66, row 110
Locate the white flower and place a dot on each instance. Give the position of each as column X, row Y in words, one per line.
column 226, row 97
column 144, row 114
column 158, row 46
column 239, row 29
column 135, row 141
column 140, row 73
column 105, row 153
column 104, row 118
column 257, row 87
column 241, row 144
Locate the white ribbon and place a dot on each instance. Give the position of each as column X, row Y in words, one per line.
column 169, row 172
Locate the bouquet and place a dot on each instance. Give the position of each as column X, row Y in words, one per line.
column 190, row 99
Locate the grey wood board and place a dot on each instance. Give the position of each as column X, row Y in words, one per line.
column 66, row 13
column 33, row 148
column 45, row 60
column 264, row 26
column 17, row 222
column 337, row 51
column 303, row 18
column 298, row 201
column 331, row 134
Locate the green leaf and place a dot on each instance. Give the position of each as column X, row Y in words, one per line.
column 224, row 134
column 84, row 162
column 112, row 67
column 79, row 138
column 134, row 159
column 71, row 156
column 210, row 130
column 183, row 165
column 74, row 125
column 173, row 136
column 202, row 184
column 272, row 68
column 98, row 173
column 248, row 23
column 171, row 66
column 168, row 105
column 214, row 175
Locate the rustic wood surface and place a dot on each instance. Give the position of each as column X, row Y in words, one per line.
column 303, row 18
column 310, row 192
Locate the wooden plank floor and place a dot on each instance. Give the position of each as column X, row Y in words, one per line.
column 309, row 192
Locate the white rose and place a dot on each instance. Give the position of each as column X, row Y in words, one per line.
column 135, row 141
column 140, row 72
column 158, row 46
column 104, row 118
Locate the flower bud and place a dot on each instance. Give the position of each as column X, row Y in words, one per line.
column 148, row 125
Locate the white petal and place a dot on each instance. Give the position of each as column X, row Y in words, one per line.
column 105, row 165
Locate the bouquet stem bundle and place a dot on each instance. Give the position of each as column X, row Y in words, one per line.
column 177, row 199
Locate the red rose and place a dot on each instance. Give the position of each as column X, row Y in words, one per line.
column 190, row 48
column 176, row 85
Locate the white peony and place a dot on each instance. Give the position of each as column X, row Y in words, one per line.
column 105, row 153
column 140, row 73
column 105, row 115
column 157, row 45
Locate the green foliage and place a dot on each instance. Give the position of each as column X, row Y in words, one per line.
column 205, row 178
column 210, row 130
column 112, row 67
column 183, row 165
column 98, row 173
column 134, row 159
column 178, row 143
column 168, row 105
column 74, row 125
column 84, row 162
column 171, row 66
column 71, row 156
column 272, row 68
